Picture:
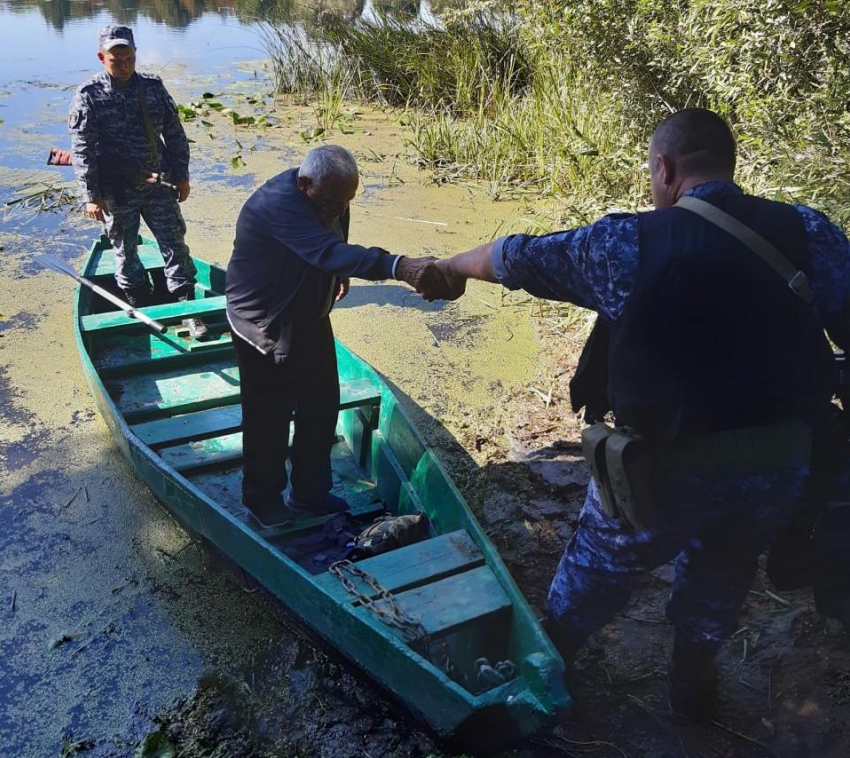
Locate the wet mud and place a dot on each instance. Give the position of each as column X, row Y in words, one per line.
column 122, row 635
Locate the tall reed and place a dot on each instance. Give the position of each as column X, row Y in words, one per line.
column 515, row 101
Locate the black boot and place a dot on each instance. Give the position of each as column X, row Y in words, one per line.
column 138, row 298
column 267, row 509
column 197, row 328
column 565, row 639
column 692, row 679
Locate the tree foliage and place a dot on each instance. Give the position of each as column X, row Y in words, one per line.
column 778, row 70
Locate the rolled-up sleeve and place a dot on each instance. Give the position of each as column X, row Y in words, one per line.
column 593, row 266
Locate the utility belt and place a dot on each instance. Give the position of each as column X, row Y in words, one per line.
column 631, row 472
column 115, row 181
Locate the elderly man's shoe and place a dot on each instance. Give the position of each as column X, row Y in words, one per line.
column 268, row 511
column 325, row 505
column 197, row 329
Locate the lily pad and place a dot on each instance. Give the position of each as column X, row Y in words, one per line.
column 312, row 134
column 241, row 120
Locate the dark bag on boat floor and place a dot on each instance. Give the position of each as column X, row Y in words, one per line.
column 389, row 533
column 334, row 542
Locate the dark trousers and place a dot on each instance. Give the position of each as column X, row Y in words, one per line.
column 304, row 386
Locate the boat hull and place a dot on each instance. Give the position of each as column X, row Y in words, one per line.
column 388, row 451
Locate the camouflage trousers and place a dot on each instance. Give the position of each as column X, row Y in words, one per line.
column 714, row 529
column 157, row 205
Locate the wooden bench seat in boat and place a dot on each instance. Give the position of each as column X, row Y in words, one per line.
column 442, row 582
column 454, row 603
column 168, row 312
column 166, row 393
column 411, row 566
column 119, row 354
column 176, row 430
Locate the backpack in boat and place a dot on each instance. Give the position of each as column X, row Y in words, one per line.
column 389, row 533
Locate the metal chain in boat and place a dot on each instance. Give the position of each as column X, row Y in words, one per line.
column 384, row 606
column 412, row 630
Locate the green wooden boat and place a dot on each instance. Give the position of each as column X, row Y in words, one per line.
column 172, row 404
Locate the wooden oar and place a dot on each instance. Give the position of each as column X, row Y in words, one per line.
column 53, row 263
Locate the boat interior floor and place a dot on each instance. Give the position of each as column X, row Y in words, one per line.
column 181, row 398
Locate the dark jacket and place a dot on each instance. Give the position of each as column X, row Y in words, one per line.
column 285, row 263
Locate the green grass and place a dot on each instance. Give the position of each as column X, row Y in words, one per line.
column 513, row 101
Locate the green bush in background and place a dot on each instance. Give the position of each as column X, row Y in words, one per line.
column 778, row 70
column 559, row 97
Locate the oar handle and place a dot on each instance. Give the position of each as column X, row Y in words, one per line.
column 158, row 327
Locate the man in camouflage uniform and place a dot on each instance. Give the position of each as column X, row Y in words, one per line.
column 707, row 341
column 125, row 134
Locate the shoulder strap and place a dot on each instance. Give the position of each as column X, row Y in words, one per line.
column 796, row 280
column 146, row 118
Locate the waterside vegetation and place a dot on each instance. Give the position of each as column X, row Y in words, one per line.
column 559, row 98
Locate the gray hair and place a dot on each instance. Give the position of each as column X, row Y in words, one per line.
column 329, row 162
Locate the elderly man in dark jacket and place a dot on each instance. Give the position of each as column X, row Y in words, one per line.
column 291, row 261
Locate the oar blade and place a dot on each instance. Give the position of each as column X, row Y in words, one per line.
column 53, row 263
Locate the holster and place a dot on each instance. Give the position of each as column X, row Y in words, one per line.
column 594, row 440
column 631, row 472
column 623, row 467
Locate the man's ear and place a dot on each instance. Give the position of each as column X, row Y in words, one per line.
column 304, row 183
column 666, row 169
column 101, row 57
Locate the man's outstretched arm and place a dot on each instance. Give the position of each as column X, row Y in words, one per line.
column 474, row 264
column 593, row 266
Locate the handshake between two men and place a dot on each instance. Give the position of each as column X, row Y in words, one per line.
column 432, row 278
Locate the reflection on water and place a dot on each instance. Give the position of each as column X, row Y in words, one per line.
column 179, row 14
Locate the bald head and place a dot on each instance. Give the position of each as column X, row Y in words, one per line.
column 689, row 147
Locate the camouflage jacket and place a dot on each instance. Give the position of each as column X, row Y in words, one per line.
column 106, row 125
column 596, row 266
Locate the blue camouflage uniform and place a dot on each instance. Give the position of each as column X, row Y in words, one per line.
column 109, row 145
column 719, row 525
